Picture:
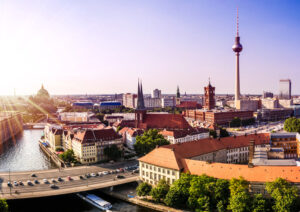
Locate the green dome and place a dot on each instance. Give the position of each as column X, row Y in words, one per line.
column 43, row 93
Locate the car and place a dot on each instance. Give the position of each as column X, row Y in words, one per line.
column 36, row 181
column 87, row 175
column 29, row 183
column 105, row 173
column 120, row 176
column 100, row 174
column 53, row 186
column 21, row 183
column 93, row 175
column 110, row 172
column 135, row 171
column 16, row 183
column 45, row 181
column 53, row 180
column 9, row 184
column 33, row 175
column 69, row 178
column 81, row 177
column 60, row 179
column 121, row 170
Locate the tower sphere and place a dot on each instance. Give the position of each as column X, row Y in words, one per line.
column 237, row 47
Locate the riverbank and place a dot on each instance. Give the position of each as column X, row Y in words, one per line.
column 128, row 193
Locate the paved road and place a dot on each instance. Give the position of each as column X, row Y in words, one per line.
column 66, row 186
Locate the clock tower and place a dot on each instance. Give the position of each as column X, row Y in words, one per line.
column 209, row 94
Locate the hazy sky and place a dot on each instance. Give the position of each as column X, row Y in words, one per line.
column 78, row 47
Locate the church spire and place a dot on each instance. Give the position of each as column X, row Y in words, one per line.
column 140, row 97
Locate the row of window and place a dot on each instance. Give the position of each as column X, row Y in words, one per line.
column 154, row 168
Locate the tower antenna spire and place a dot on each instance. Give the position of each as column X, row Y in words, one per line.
column 237, row 21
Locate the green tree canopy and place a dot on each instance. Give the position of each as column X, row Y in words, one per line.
column 240, row 198
column 223, row 133
column 284, row 194
column 179, row 192
column 3, row 205
column 143, row 189
column 148, row 141
column 68, row 156
column 112, row 152
column 259, row 203
column 160, row 191
column 236, row 122
column 292, row 125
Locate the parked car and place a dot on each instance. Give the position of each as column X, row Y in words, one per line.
column 60, row 179
column 93, row 175
column 33, row 175
column 81, row 177
column 69, row 178
column 29, row 183
column 9, row 184
column 21, row 183
column 45, row 181
column 53, row 186
column 53, row 180
column 105, row 173
column 36, row 181
column 87, row 175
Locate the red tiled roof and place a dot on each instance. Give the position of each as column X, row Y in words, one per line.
column 229, row 171
column 165, row 121
column 163, row 157
column 92, row 135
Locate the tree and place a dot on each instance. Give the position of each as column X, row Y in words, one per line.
column 112, row 152
column 236, row 122
column 292, row 125
column 213, row 133
column 179, row 192
column 223, row 133
column 3, row 205
column 148, row 141
column 240, row 198
column 160, row 191
column 200, row 190
column 284, row 194
column 143, row 189
column 259, row 204
column 68, row 156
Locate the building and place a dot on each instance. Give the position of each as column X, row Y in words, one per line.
column 289, row 142
column 247, row 104
column 83, row 105
column 145, row 121
column 189, row 157
column 129, row 136
column 53, row 135
column 209, row 93
column 74, row 116
column 152, row 102
column 11, row 124
column 156, row 93
column 285, row 89
column 269, row 103
column 274, row 114
column 177, row 96
column 189, row 105
column 89, row 144
column 182, row 136
column 285, row 103
column 237, row 48
column 267, row 94
column 109, row 105
column 217, row 117
column 129, row 100
column 167, row 102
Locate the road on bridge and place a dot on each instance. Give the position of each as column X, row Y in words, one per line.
column 66, row 186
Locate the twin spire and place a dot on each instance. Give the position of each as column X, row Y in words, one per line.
column 140, row 97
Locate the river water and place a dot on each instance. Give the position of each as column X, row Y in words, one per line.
column 24, row 154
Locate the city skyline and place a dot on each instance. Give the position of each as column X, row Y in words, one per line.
column 100, row 47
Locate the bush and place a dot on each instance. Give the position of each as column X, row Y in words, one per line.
column 160, row 191
column 3, row 205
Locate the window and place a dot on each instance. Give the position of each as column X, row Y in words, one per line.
column 173, row 173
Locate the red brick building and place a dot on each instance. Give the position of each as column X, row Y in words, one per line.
column 209, row 93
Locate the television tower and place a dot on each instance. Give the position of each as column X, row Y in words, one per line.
column 237, row 48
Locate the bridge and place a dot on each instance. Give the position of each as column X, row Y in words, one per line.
column 40, row 125
column 65, row 187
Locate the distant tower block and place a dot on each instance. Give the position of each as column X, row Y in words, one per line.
column 237, row 48
column 209, row 93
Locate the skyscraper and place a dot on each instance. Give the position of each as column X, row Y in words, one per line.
column 156, row 93
column 237, row 48
column 285, row 89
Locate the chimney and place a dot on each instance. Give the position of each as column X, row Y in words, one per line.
column 251, row 151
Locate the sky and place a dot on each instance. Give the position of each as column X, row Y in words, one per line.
column 103, row 47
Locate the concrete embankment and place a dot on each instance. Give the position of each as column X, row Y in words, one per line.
column 120, row 192
column 52, row 156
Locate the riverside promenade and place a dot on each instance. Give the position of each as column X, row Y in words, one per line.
column 66, row 186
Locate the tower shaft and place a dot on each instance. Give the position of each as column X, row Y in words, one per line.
column 237, row 78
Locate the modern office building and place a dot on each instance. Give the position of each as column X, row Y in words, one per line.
column 267, row 94
column 156, row 93
column 129, row 100
column 285, row 89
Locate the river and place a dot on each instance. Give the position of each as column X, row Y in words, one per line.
column 24, row 154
